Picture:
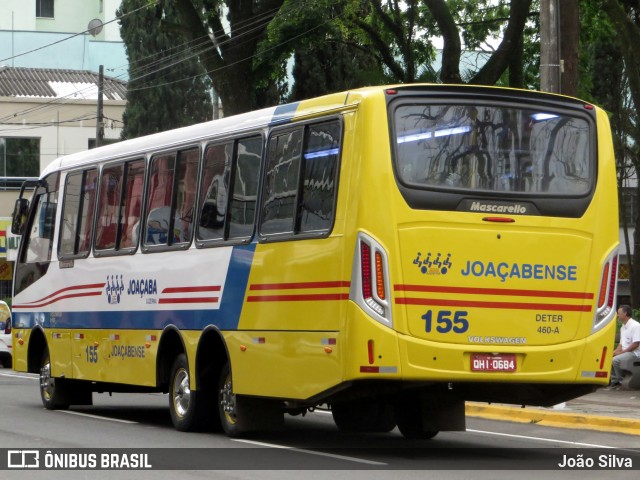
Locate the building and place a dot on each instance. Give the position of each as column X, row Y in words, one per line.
column 50, row 54
column 44, row 114
column 62, row 34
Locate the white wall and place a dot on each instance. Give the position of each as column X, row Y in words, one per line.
column 17, row 15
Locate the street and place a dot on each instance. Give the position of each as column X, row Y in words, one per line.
column 141, row 423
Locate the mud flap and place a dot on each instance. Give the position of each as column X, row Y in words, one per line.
column 442, row 412
column 429, row 411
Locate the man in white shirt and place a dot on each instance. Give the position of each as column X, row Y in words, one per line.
column 629, row 347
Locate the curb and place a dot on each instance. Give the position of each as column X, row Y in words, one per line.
column 554, row 419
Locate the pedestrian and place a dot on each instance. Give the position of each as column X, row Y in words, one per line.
column 629, row 347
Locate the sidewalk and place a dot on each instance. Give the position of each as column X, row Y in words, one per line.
column 605, row 410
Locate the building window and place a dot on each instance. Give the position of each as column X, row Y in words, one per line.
column 628, row 208
column 44, row 8
column 19, row 158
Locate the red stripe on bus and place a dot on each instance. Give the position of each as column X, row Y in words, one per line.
column 190, row 300
column 299, row 285
column 298, row 298
column 76, row 287
column 207, row 288
column 502, row 305
column 64, row 297
column 494, row 291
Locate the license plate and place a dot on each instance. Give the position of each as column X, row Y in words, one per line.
column 485, row 362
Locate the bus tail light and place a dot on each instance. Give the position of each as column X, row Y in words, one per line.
column 7, row 327
column 605, row 311
column 371, row 279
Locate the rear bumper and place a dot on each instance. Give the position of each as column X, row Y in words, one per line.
column 405, row 358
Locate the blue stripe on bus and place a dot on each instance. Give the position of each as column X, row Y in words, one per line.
column 123, row 320
column 225, row 318
column 284, row 113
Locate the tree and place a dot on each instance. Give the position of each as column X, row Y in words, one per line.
column 330, row 67
column 625, row 19
column 167, row 87
column 569, row 45
column 235, row 29
column 321, row 58
column 401, row 36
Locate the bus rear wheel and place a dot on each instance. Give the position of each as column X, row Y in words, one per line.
column 240, row 414
column 190, row 410
column 53, row 391
column 409, row 417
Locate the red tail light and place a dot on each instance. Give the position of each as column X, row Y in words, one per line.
column 374, row 279
column 7, row 328
column 605, row 311
column 613, row 279
column 365, row 264
column 603, row 286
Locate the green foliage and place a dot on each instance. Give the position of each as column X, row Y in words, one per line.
column 168, row 87
column 597, row 49
column 22, row 156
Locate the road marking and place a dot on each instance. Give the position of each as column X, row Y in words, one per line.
column 33, row 376
column 540, row 439
column 98, row 417
column 310, row 452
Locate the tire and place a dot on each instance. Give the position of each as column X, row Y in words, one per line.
column 408, row 415
column 54, row 392
column 191, row 410
column 239, row 414
column 364, row 417
column 6, row 361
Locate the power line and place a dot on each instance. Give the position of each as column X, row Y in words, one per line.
column 75, row 34
column 242, row 29
column 264, row 19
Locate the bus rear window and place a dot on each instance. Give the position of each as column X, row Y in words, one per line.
column 493, row 149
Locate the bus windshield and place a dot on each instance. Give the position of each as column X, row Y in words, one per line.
column 493, row 148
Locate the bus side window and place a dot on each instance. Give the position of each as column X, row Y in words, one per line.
column 185, row 195
column 300, row 187
column 110, row 188
column 214, row 191
column 132, row 204
column 172, row 183
column 281, row 183
column 246, row 177
column 120, row 207
column 77, row 213
column 40, row 240
column 320, row 177
column 229, row 190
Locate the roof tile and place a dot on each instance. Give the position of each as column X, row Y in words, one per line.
column 36, row 82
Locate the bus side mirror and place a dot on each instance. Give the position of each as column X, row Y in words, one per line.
column 20, row 212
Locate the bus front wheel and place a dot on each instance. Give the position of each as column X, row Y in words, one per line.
column 53, row 391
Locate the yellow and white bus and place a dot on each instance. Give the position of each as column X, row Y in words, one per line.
column 390, row 252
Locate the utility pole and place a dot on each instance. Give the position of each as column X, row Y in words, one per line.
column 100, row 117
column 549, row 46
column 569, row 24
